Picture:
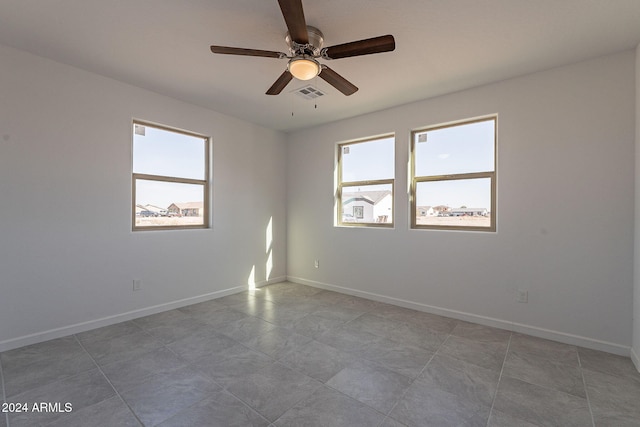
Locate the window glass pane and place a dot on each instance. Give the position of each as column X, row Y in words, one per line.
column 161, row 204
column 370, row 160
column 460, row 203
column 457, row 149
column 367, row 204
column 162, row 152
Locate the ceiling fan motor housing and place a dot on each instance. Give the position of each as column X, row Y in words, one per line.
column 313, row 48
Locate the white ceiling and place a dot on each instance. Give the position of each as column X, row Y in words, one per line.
column 442, row 46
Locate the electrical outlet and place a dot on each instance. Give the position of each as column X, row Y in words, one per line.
column 522, row 296
column 316, row 264
column 137, row 284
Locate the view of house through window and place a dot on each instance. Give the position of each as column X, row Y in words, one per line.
column 170, row 178
column 366, row 182
column 453, row 176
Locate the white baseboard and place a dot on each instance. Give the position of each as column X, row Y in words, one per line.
column 64, row 331
column 562, row 337
column 635, row 359
column 271, row 281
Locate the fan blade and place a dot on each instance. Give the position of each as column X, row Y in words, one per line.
column 294, row 17
column 280, row 84
column 248, row 52
column 362, row 47
column 337, row 81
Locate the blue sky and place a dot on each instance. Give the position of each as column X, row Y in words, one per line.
column 446, row 151
column 451, row 150
column 161, row 152
column 368, row 161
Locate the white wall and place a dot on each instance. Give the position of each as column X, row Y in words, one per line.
column 565, row 210
column 635, row 350
column 68, row 255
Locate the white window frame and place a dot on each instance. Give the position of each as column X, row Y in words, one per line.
column 172, row 179
column 492, row 175
column 341, row 184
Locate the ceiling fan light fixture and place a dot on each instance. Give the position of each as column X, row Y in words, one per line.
column 306, row 46
column 304, row 68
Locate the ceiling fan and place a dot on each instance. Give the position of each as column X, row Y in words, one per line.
column 305, row 47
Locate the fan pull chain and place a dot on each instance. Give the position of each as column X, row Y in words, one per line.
column 315, row 83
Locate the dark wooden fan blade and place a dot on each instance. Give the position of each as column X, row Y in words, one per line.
column 362, row 47
column 294, row 17
column 280, row 84
column 226, row 50
column 337, row 81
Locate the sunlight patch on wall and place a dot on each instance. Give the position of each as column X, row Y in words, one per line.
column 269, row 250
column 251, row 281
column 269, row 235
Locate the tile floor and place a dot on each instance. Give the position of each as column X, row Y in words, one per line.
column 291, row 355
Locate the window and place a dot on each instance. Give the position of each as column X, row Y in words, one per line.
column 365, row 182
column 170, row 178
column 453, row 176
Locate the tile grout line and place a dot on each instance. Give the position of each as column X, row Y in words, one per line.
column 223, row 388
column 388, row 414
column 191, row 364
column 226, row 389
column 4, row 393
column 586, row 391
column 384, row 416
column 493, row 401
column 322, row 384
column 274, row 361
column 347, row 397
column 108, row 380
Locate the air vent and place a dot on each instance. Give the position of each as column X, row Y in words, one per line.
column 309, row 92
